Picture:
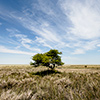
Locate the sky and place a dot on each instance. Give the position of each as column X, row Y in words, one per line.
column 28, row 27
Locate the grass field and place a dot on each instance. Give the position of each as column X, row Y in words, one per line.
column 69, row 82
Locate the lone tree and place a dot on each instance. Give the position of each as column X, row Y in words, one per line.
column 50, row 59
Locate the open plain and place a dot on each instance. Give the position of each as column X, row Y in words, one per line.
column 68, row 82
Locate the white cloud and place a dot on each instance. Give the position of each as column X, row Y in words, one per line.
column 43, row 7
column 17, row 47
column 84, row 31
column 12, row 31
column 98, row 45
column 6, row 50
column 90, row 45
column 86, row 46
column 23, row 39
column 79, row 51
column 46, row 33
column 20, row 35
column 26, row 42
column 43, row 42
column 84, row 16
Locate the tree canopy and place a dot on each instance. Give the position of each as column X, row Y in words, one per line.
column 51, row 57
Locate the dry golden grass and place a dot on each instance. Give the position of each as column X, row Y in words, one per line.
column 79, row 68
column 70, row 82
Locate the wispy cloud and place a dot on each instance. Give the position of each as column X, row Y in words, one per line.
column 12, row 31
column 43, row 30
column 98, row 45
column 83, row 47
column 79, row 51
column 6, row 50
column 68, row 24
column 42, row 27
column 43, row 42
column 84, row 17
column 23, row 40
column 50, row 38
column 26, row 42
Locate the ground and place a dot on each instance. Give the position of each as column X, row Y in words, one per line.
column 68, row 82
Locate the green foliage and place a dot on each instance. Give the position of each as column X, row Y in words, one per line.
column 55, row 58
column 38, row 58
column 53, row 53
column 45, row 59
column 31, row 63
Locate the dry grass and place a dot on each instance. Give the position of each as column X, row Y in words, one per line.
column 73, row 82
column 79, row 68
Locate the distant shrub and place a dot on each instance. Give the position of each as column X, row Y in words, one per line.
column 85, row 66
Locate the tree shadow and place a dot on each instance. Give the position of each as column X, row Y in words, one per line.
column 46, row 72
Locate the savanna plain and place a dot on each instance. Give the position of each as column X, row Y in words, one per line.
column 68, row 82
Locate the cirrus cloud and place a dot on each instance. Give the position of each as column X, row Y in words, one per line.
column 84, row 17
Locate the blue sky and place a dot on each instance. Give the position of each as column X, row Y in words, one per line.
column 28, row 27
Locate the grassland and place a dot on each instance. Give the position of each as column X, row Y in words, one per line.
column 69, row 82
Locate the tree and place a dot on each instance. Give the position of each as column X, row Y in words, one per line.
column 49, row 59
